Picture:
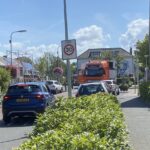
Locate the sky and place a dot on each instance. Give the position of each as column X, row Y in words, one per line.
column 93, row 23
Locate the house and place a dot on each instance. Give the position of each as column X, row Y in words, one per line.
column 126, row 66
column 20, row 71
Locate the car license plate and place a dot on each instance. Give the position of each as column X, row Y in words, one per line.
column 22, row 100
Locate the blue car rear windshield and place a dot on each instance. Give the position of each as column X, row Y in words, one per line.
column 91, row 89
column 16, row 89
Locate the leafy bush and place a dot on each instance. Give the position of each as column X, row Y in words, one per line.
column 124, row 87
column 87, row 123
column 144, row 89
column 5, row 78
column 125, row 80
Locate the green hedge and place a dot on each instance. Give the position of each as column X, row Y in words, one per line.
column 93, row 122
column 144, row 89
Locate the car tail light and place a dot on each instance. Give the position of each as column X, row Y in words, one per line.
column 39, row 96
column 6, row 97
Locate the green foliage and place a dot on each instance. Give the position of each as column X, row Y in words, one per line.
column 5, row 78
column 46, row 64
column 143, row 49
column 87, row 123
column 117, row 58
column 144, row 89
column 124, row 87
column 25, row 59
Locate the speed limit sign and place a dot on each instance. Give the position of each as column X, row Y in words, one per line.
column 69, row 49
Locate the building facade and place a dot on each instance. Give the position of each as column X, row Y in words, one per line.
column 20, row 71
column 126, row 65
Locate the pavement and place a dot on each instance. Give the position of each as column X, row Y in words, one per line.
column 137, row 118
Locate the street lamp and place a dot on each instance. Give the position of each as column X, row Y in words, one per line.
column 10, row 41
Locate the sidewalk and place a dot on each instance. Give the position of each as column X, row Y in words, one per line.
column 137, row 117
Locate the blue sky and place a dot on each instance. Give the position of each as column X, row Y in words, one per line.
column 94, row 23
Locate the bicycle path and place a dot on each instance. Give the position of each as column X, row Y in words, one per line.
column 137, row 118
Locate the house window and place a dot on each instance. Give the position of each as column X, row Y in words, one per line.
column 94, row 54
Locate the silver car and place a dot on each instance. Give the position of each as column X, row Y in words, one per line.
column 91, row 88
column 114, row 87
column 55, row 86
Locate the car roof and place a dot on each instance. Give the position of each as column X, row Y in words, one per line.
column 26, row 83
column 52, row 80
column 91, row 83
column 108, row 80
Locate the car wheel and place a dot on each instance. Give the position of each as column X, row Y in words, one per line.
column 118, row 92
column 56, row 91
column 6, row 119
column 115, row 92
column 61, row 90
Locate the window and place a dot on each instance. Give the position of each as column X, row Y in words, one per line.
column 94, row 71
column 44, row 88
column 50, row 82
column 90, row 89
column 23, row 89
column 95, row 54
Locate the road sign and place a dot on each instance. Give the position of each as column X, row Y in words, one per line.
column 69, row 49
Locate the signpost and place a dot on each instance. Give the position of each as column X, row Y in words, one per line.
column 69, row 49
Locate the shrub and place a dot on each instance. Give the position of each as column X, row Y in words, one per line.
column 144, row 89
column 124, row 87
column 89, row 122
column 5, row 78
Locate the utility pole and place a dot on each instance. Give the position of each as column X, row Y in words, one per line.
column 149, row 35
column 68, row 61
column 146, row 68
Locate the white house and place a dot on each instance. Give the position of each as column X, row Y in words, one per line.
column 127, row 64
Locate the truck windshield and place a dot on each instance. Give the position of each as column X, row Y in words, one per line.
column 95, row 71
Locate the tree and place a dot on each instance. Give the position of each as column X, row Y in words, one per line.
column 118, row 59
column 143, row 49
column 5, row 78
column 41, row 66
column 73, row 67
column 25, row 59
column 46, row 64
column 107, row 55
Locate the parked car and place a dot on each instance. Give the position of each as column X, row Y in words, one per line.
column 114, row 87
column 91, row 88
column 55, row 86
column 26, row 99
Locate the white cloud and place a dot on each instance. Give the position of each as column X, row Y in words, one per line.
column 90, row 37
column 136, row 30
column 15, row 46
column 36, row 51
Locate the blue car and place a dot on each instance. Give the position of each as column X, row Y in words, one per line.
column 26, row 99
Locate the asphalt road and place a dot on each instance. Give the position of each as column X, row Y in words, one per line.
column 14, row 133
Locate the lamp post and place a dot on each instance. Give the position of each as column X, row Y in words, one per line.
column 10, row 41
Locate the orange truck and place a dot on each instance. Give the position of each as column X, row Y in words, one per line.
column 94, row 70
